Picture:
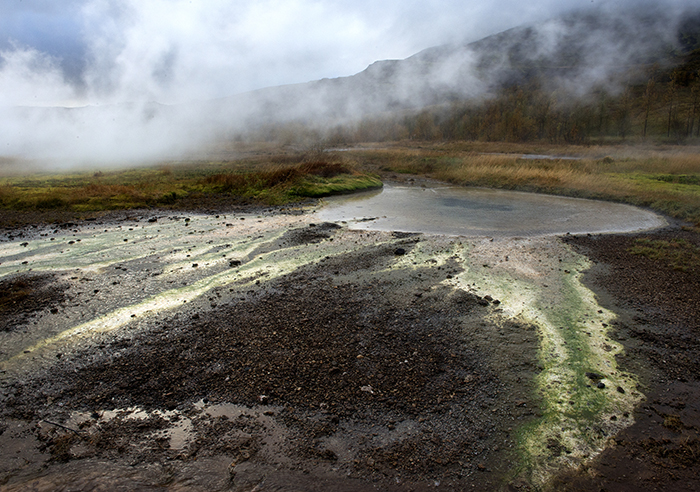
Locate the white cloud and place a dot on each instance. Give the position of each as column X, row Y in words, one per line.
column 31, row 78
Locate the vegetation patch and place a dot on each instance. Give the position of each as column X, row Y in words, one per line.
column 678, row 253
column 272, row 181
column 680, row 178
column 288, row 183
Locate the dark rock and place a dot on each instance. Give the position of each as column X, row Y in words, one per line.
column 399, row 251
column 600, row 385
column 594, row 376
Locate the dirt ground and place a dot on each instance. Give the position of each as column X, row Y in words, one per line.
column 658, row 310
column 346, row 374
column 343, row 375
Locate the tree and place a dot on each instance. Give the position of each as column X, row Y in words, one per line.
column 649, row 93
column 671, row 94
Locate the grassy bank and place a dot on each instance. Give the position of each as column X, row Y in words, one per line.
column 258, row 181
column 666, row 180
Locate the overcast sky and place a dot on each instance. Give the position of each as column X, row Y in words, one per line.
column 76, row 52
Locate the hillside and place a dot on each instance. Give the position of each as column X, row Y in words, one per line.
column 577, row 54
column 601, row 76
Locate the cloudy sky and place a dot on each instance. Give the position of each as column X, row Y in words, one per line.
column 77, row 52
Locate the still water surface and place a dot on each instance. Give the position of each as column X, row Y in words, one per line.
column 460, row 211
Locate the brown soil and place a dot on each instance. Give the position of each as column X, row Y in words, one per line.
column 659, row 325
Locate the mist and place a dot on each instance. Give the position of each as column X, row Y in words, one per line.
column 120, row 81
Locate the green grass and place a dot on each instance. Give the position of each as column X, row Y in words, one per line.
column 271, row 181
column 677, row 253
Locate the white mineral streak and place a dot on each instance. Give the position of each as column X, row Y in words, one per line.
column 535, row 287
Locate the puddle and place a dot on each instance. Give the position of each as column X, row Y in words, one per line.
column 459, row 211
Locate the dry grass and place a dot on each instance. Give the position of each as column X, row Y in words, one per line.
column 666, row 179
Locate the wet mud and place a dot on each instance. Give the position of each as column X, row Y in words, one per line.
column 658, row 322
column 345, row 374
column 283, row 353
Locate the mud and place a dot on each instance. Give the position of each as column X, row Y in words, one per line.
column 658, row 322
column 345, row 373
column 308, row 356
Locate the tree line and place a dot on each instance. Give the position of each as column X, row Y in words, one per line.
column 664, row 106
column 659, row 104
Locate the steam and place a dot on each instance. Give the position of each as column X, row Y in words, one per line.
column 142, row 81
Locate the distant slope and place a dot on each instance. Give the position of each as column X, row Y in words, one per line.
column 574, row 53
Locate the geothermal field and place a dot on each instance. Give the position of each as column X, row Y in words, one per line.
column 283, row 350
column 350, row 246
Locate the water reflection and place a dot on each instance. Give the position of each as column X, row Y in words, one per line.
column 482, row 212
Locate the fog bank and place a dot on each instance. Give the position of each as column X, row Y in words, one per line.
column 152, row 81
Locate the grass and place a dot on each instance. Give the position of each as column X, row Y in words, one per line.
column 677, row 253
column 265, row 181
column 663, row 178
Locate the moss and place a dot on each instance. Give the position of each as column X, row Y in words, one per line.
column 315, row 187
